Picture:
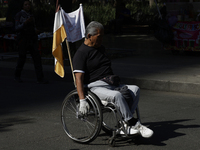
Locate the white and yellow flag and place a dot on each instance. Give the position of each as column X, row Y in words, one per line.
column 70, row 26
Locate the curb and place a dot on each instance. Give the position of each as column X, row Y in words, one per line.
column 162, row 85
column 143, row 83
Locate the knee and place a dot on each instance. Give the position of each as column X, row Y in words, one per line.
column 137, row 90
column 118, row 96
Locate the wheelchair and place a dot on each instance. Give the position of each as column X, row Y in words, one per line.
column 102, row 115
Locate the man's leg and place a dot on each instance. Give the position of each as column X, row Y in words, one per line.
column 21, row 60
column 36, row 60
column 144, row 131
column 135, row 92
column 105, row 92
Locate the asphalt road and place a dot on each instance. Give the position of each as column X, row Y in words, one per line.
column 30, row 119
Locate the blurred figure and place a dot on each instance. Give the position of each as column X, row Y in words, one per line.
column 27, row 39
column 163, row 11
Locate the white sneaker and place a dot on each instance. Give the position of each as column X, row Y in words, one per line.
column 144, row 131
column 130, row 130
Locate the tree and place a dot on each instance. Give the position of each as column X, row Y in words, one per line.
column 151, row 2
column 37, row 2
column 14, row 6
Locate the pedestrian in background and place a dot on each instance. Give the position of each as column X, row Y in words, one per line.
column 163, row 11
column 27, row 39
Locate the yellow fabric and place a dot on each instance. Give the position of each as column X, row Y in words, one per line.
column 58, row 37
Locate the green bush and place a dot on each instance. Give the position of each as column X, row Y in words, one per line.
column 100, row 13
column 140, row 12
column 3, row 12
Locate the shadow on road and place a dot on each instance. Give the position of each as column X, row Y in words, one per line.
column 163, row 131
column 5, row 124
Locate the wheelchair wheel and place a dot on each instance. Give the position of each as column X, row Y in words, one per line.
column 79, row 128
column 110, row 121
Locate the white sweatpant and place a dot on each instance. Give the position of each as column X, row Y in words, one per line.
column 106, row 92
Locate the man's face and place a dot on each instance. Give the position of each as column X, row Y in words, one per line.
column 96, row 40
column 27, row 6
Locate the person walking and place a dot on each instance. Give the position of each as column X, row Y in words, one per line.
column 27, row 40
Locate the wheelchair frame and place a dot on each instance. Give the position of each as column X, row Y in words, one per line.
column 85, row 128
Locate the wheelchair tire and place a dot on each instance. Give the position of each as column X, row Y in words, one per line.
column 81, row 129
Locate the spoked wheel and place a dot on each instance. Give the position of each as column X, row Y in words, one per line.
column 82, row 129
column 109, row 120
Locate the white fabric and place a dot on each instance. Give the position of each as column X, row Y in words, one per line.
column 80, row 71
column 59, row 35
column 74, row 24
column 58, row 21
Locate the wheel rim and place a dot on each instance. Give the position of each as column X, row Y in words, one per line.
column 80, row 128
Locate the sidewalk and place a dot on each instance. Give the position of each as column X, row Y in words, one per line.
column 152, row 67
column 141, row 60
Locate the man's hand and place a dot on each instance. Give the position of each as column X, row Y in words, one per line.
column 84, row 106
column 29, row 20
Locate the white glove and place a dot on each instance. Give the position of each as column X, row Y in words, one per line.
column 84, row 106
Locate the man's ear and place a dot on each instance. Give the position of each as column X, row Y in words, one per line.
column 88, row 36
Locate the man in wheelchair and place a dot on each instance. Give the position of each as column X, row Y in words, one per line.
column 93, row 68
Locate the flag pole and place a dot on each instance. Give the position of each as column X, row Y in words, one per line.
column 57, row 6
column 70, row 60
